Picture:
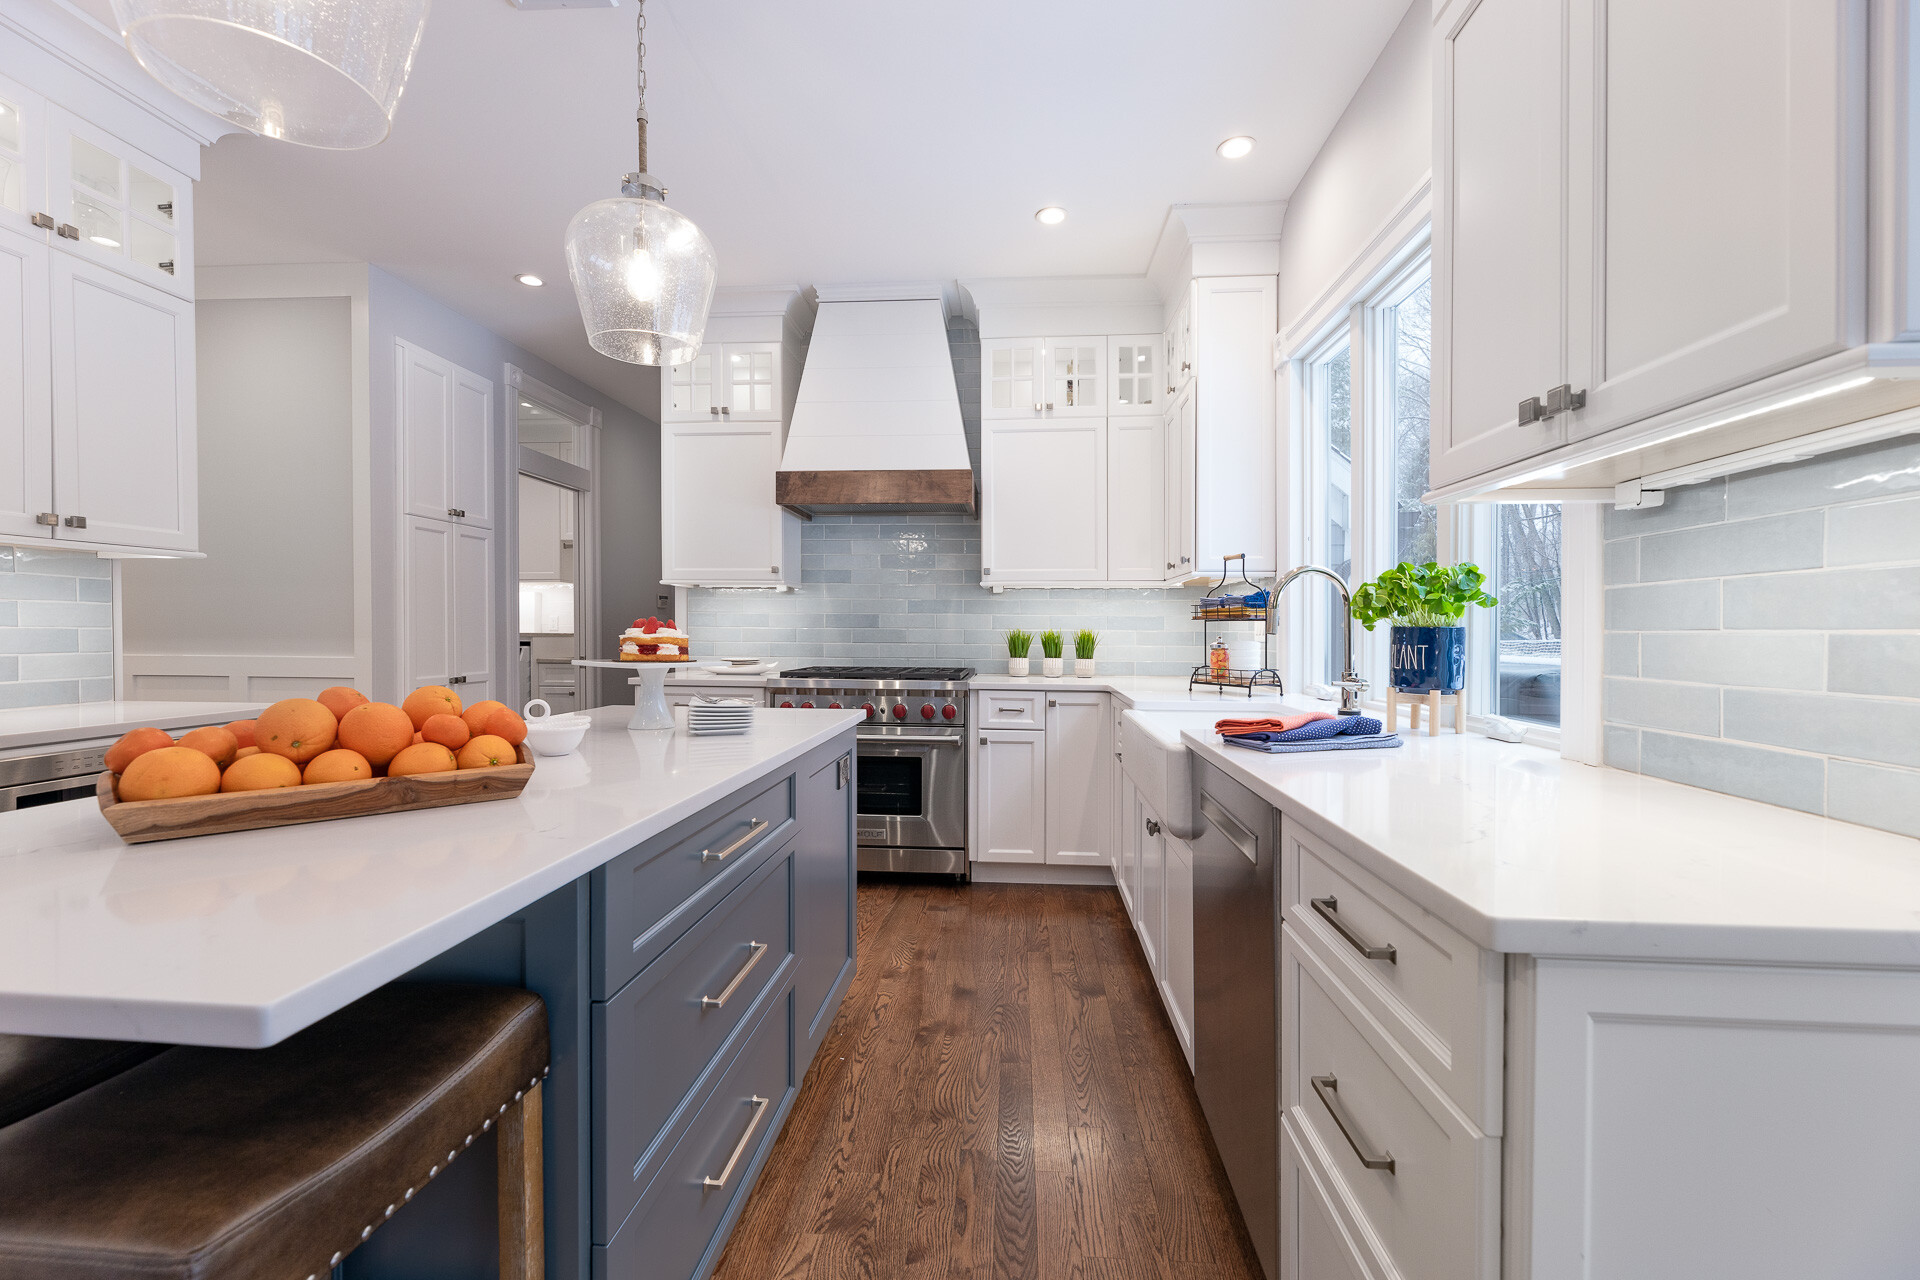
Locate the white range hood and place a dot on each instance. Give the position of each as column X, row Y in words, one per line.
column 876, row 423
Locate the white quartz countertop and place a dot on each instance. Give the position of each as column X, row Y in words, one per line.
column 241, row 940
column 85, row 721
column 1525, row 852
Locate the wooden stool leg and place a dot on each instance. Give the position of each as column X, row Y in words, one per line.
column 523, row 1245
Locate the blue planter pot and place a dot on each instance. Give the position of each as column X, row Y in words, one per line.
column 1429, row 659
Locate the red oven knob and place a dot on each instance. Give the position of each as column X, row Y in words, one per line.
column 806, row 706
column 787, row 706
column 899, row 711
column 833, row 706
column 868, row 708
column 948, row 711
column 926, row 711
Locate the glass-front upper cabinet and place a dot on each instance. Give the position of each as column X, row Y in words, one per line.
column 23, row 155
column 753, row 382
column 1073, row 377
column 690, row 388
column 1134, row 375
column 118, row 206
column 1010, row 383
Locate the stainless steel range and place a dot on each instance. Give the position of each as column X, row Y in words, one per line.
column 912, row 779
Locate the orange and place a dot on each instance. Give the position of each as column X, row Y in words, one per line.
column 169, row 773
column 430, row 700
column 378, row 731
column 486, row 751
column 218, row 744
column 450, row 732
column 297, row 728
column 242, row 730
column 262, row 772
column 419, row 737
column 507, row 724
column 133, row 744
column 338, row 765
column 244, row 752
column 476, row 715
column 341, row 699
column 422, row 757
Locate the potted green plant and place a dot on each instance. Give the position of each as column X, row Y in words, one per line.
column 1084, row 643
column 1018, row 645
column 1051, row 646
column 1425, row 604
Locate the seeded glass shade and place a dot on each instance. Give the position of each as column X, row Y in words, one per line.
column 323, row 73
column 644, row 276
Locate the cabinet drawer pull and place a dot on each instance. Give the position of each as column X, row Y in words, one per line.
column 716, row 1002
column 759, row 1105
column 754, row 829
column 1329, row 909
column 44, row 221
column 1327, row 1088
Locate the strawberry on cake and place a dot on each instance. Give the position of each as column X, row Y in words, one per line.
column 651, row 640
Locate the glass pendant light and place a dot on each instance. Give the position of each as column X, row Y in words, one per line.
column 323, row 73
column 643, row 274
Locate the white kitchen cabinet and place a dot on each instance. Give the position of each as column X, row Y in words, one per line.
column 23, row 157
column 1074, row 384
column 1078, row 755
column 540, row 534
column 1043, row 501
column 1011, row 768
column 720, row 524
column 124, row 459
column 1136, row 380
column 1138, row 489
column 1150, row 887
column 1177, row 478
column 1011, row 379
column 473, row 611
column 445, row 415
column 448, row 607
column 1176, row 979
column 689, row 389
column 1318, row 1239
column 1179, row 344
column 116, row 206
column 1120, row 835
column 1232, row 495
column 752, row 380
column 26, row 388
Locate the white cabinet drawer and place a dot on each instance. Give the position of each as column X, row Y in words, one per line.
column 1441, row 996
column 1431, row 1199
column 1011, row 710
column 1319, row 1236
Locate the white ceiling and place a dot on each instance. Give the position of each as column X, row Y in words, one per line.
column 817, row 142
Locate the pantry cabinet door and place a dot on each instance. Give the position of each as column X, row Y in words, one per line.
column 1013, row 796
column 471, row 442
column 26, row 400
column 720, row 525
column 424, row 410
column 427, row 647
column 1075, row 381
column 1137, row 492
column 1077, row 759
column 1011, row 379
column 473, row 613
column 1043, row 502
column 123, row 410
column 1177, row 471
column 1499, row 231
column 23, row 158
column 1717, row 196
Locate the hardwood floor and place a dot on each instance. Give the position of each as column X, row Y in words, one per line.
column 1000, row 1096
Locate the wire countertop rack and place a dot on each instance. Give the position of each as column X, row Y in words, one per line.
column 1204, row 676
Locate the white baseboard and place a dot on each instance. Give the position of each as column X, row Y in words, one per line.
column 1039, row 873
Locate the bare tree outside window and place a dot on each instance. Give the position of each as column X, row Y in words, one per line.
column 1415, row 523
column 1527, row 580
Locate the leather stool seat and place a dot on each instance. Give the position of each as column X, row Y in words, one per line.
column 271, row 1163
column 38, row 1071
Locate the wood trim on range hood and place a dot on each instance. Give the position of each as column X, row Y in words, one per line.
column 834, row 492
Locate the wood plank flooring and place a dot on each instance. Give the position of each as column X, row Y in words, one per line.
column 1000, row 1096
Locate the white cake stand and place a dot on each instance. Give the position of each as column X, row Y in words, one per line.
column 649, row 681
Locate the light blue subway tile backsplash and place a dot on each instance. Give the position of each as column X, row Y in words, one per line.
column 56, row 627
column 1789, row 598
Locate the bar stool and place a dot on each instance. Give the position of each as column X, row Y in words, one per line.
column 217, row 1164
column 38, row 1071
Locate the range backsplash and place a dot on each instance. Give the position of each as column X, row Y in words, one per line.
column 56, row 627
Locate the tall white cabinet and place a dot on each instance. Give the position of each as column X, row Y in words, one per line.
column 444, row 419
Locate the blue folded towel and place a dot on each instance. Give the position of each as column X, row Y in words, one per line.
column 1316, row 730
column 1339, row 742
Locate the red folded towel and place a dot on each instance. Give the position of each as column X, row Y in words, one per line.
column 1269, row 724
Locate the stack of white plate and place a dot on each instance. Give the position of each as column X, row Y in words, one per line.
column 707, row 716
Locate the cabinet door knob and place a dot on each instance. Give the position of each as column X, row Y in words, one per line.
column 47, row 518
column 726, row 411
column 1169, row 564
column 44, row 221
column 1049, row 406
column 68, row 230
column 75, row 522
column 1564, row 399
column 1531, row 410
column 714, row 410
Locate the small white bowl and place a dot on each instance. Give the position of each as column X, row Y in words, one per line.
column 551, row 735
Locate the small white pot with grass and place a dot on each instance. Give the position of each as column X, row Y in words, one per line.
column 1018, row 645
column 1084, row 643
column 1052, row 665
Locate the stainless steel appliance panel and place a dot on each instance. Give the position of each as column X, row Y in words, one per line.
column 912, row 789
column 29, row 781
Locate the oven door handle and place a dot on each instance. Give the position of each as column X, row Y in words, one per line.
column 902, row 740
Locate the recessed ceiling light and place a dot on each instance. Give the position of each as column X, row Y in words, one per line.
column 1235, row 148
column 531, row 281
column 1051, row 216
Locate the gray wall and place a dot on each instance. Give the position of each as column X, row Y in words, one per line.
column 275, row 383
column 1763, row 636
column 56, row 627
column 907, row 589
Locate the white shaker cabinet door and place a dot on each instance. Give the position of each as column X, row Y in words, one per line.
column 473, row 613
column 428, row 646
column 1150, row 888
column 1012, row 765
column 471, row 443
column 123, row 410
column 689, row 389
column 1012, row 383
column 1136, row 378
column 1077, row 768
column 1043, row 502
column 1180, row 536
column 1176, row 981
column 1499, row 242
column 1717, row 202
column 751, row 371
column 1075, row 382
column 26, row 408
column 720, row 523
column 424, row 409
column 1137, row 493
column 540, row 507
column 23, row 158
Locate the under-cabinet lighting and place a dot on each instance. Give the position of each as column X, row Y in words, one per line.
column 530, row 280
column 1235, row 148
column 1051, row 216
column 105, row 242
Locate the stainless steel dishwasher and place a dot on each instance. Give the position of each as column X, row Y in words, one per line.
column 1235, row 1033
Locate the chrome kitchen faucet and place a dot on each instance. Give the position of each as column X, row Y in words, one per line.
column 1351, row 685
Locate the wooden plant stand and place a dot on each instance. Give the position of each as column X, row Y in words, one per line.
column 1432, row 702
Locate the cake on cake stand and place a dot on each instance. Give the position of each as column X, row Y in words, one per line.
column 649, row 681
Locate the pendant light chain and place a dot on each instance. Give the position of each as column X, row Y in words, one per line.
column 640, row 63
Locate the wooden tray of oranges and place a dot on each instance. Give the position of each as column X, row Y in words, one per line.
column 314, row 760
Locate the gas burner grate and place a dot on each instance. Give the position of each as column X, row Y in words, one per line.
column 880, row 673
